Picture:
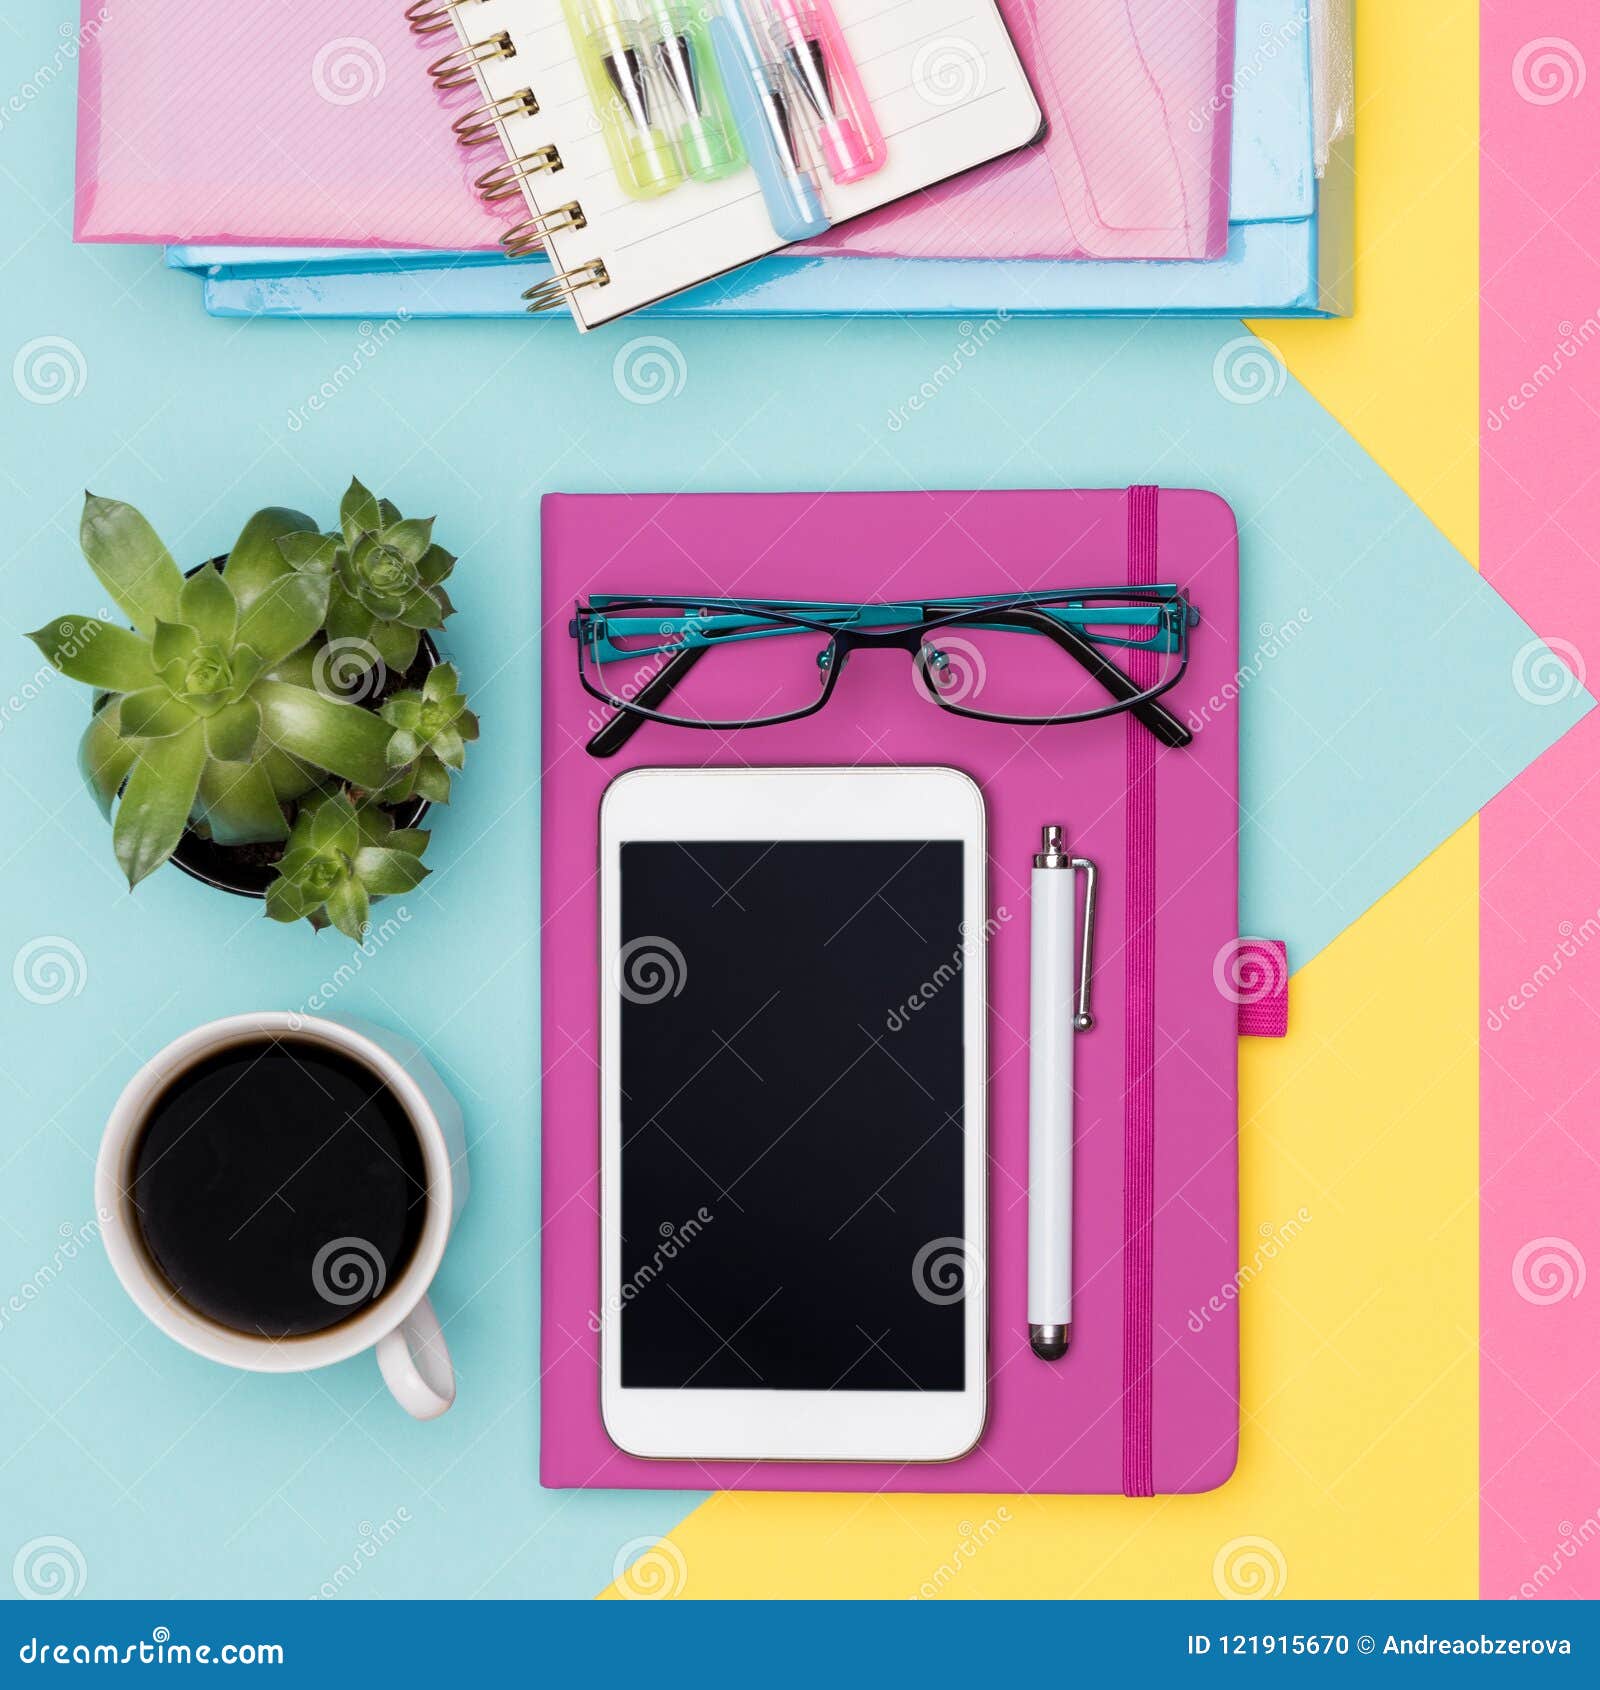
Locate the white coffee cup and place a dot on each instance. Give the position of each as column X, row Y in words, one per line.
column 400, row 1324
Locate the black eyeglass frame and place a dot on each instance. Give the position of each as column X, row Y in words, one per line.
column 1024, row 613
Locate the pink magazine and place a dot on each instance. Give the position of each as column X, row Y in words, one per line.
column 297, row 125
column 1147, row 1399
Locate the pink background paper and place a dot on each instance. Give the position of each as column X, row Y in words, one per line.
column 1051, row 1428
column 1541, row 836
column 304, row 124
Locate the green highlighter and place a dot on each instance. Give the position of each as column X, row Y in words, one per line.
column 618, row 66
column 679, row 37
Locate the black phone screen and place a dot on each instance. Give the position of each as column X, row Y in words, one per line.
column 792, row 1077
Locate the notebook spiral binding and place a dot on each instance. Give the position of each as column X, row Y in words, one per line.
column 429, row 17
column 459, row 69
column 528, row 236
column 560, row 287
column 485, row 123
column 482, row 123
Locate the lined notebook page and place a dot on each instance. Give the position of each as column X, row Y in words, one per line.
column 942, row 75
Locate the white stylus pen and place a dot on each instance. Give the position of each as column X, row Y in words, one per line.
column 1054, row 1019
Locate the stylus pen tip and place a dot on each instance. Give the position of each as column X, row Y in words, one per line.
column 1050, row 1342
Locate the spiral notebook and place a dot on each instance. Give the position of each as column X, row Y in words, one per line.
column 943, row 78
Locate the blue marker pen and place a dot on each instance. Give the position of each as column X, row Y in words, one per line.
column 759, row 97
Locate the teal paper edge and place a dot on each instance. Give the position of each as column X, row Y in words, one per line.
column 1271, row 270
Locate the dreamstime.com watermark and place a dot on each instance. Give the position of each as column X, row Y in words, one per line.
column 349, row 71
column 1549, row 1270
column 1574, row 1539
column 156, row 1650
column 74, row 38
column 650, row 369
column 1274, row 641
column 1548, row 672
column 972, row 341
column 1249, row 1569
column 1271, row 40
column 74, row 1241
column 1274, row 1241
column 678, row 630
column 949, row 71
column 1249, row 369
column 947, row 972
column 349, row 1270
column 948, row 1270
column 371, row 341
column 1548, row 70
column 49, row 1569
column 50, row 969
column 76, row 635
column 674, row 1240
column 651, row 969
column 973, row 1540
column 1572, row 341
column 377, row 936
column 651, row 1568
column 49, row 369
column 370, row 1544
column 349, row 670
column 1573, row 939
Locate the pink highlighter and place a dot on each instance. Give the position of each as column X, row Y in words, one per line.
column 814, row 53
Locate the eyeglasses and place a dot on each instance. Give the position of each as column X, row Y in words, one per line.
column 1042, row 659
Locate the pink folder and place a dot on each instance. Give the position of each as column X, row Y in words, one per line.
column 1147, row 1399
column 301, row 124
column 292, row 124
column 1138, row 156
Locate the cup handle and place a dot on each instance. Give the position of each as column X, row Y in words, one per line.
column 415, row 1364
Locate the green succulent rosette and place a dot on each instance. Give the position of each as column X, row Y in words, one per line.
column 340, row 857
column 432, row 728
column 385, row 574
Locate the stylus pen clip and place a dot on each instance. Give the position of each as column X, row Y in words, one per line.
column 1055, row 1017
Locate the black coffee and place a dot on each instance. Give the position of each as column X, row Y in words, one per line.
column 279, row 1187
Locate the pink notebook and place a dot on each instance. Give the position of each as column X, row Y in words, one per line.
column 301, row 125
column 1147, row 1399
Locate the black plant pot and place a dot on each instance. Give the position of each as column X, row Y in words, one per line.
column 248, row 870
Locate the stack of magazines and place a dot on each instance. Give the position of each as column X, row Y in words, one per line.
column 1194, row 160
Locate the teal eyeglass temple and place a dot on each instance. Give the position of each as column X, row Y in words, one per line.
column 695, row 627
column 1079, row 620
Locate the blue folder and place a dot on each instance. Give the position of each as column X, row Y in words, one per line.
column 1272, row 270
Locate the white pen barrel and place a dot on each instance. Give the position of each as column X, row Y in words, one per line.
column 1050, row 1098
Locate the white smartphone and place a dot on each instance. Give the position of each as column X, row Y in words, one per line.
column 794, row 1139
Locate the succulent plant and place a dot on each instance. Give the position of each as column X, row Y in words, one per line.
column 341, row 855
column 219, row 711
column 385, row 576
column 195, row 700
column 431, row 731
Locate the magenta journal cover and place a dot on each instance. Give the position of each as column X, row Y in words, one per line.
column 1146, row 1400
column 303, row 125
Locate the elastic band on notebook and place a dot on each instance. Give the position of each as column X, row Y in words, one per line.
column 1139, row 1119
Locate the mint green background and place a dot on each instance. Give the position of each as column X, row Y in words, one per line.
column 1391, row 718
